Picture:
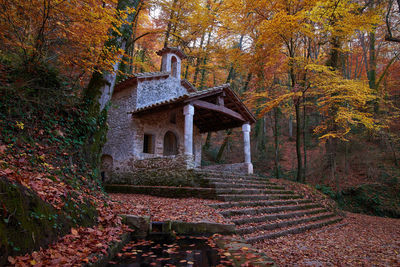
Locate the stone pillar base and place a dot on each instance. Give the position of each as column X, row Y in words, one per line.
column 249, row 168
column 189, row 162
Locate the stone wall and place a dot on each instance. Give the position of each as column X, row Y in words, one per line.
column 155, row 91
column 125, row 137
column 120, row 144
column 166, row 171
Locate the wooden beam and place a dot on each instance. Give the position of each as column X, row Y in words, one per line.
column 215, row 128
column 217, row 108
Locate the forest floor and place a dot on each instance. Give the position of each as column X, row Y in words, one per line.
column 358, row 240
column 163, row 209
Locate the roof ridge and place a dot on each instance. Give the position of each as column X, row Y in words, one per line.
column 151, row 73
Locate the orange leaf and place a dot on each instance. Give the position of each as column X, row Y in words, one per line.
column 74, row 231
column 11, row 260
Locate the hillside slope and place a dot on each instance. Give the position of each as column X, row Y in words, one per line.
column 47, row 187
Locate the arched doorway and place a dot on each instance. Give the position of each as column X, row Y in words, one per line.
column 170, row 144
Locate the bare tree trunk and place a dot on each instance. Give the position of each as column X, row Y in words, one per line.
column 346, row 159
column 298, row 141
column 276, row 142
column 198, row 61
column 392, row 147
column 224, row 145
column 169, row 26
column 100, row 89
column 207, row 144
column 331, row 143
column 203, row 71
column 304, row 139
column 372, row 61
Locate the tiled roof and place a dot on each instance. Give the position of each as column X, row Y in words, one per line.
column 199, row 94
column 175, row 50
column 161, row 103
column 209, row 90
column 180, row 98
column 188, row 85
column 146, row 75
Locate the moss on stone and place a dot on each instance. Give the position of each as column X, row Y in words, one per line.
column 26, row 222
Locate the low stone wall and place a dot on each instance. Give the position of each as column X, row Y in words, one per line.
column 164, row 171
column 166, row 162
column 244, row 168
column 163, row 191
column 143, row 226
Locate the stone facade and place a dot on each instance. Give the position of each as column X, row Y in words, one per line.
column 155, row 91
column 125, row 138
column 151, row 127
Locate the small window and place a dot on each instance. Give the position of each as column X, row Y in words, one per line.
column 172, row 118
column 148, row 144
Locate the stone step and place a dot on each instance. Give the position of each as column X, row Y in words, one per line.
column 251, row 191
column 238, row 180
column 232, row 175
column 228, row 173
column 264, row 209
column 294, row 230
column 264, row 226
column 243, row 204
column 236, row 197
column 278, row 216
column 247, row 185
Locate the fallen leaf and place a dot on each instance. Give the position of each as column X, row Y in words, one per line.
column 74, row 232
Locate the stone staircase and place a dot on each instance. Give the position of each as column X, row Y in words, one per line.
column 264, row 210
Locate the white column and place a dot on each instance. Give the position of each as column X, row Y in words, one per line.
column 246, row 140
column 188, row 111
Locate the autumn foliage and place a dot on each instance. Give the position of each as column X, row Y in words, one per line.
column 321, row 76
column 69, row 34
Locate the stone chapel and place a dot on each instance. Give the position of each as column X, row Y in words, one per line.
column 159, row 116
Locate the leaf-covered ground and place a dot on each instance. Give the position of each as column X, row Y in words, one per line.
column 81, row 245
column 163, row 209
column 308, row 192
column 359, row 240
